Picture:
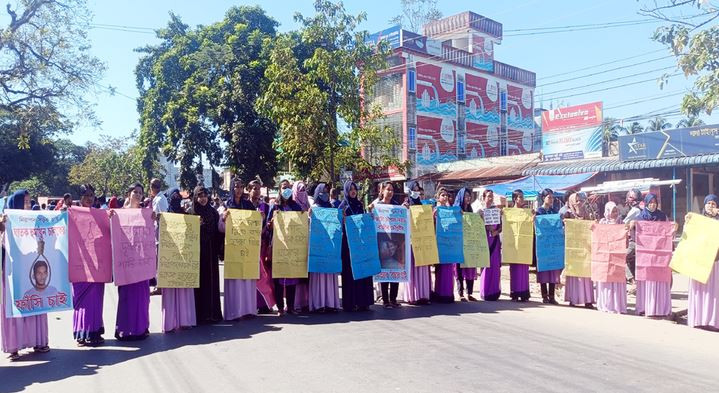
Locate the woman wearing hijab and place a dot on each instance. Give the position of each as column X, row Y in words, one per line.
column 703, row 310
column 87, row 297
column 240, row 295
column 207, row 297
column 178, row 304
column 654, row 298
column 302, row 294
column 443, row 272
column 324, row 289
column 23, row 332
column 468, row 275
column 284, row 287
column 265, row 295
column 548, row 279
column 389, row 289
column 357, row 295
column 519, row 272
column 611, row 296
column 579, row 290
column 418, row 289
column 490, row 280
column 133, row 304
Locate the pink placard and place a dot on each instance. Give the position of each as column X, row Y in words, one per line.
column 654, row 250
column 89, row 245
column 609, row 253
column 134, row 254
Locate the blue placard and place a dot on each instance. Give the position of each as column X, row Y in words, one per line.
column 325, row 250
column 362, row 241
column 550, row 242
column 449, row 235
column 681, row 142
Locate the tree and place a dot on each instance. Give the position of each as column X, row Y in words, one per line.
column 690, row 121
column 693, row 37
column 316, row 76
column 611, row 128
column 34, row 185
column 658, row 124
column 635, row 128
column 198, row 88
column 416, row 13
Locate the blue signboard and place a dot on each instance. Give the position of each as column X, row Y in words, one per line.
column 392, row 35
column 681, row 142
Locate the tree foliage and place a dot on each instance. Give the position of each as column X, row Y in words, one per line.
column 658, row 124
column 34, row 185
column 416, row 13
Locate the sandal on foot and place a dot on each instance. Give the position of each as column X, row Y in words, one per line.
column 43, row 349
column 14, row 356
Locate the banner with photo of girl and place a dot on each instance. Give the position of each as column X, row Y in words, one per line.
column 393, row 242
column 36, row 267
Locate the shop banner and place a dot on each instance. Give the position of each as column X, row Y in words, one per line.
column 36, row 267
column 476, row 248
column 424, row 240
column 289, row 245
column 578, row 248
column 325, row 255
column 178, row 251
column 89, row 245
column 609, row 253
column 697, row 250
column 654, row 250
column 362, row 242
column 517, row 236
column 572, row 133
column 550, row 242
column 449, row 234
column 243, row 231
column 134, row 253
column 393, row 242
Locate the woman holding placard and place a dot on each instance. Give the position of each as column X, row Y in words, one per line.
column 490, row 279
column 518, row 272
column 418, row 288
column 324, row 289
column 389, row 289
column 548, row 279
column 302, row 293
column 611, row 296
column 703, row 307
column 443, row 272
column 468, row 275
column 208, row 308
column 357, row 295
column 579, row 290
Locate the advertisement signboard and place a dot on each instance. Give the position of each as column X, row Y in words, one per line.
column 573, row 132
column 681, row 142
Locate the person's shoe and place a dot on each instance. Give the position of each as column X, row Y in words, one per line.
column 43, row 349
column 472, row 298
column 14, row 356
column 545, row 300
column 462, row 299
column 589, row 306
column 395, row 304
column 553, row 301
column 386, row 305
column 81, row 343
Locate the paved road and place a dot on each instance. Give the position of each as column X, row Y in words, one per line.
column 487, row 346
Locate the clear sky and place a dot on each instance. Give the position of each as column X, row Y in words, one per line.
column 551, row 56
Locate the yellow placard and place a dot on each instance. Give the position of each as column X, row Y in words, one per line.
column 424, row 240
column 476, row 248
column 578, row 248
column 697, row 251
column 179, row 251
column 243, row 232
column 289, row 245
column 518, row 236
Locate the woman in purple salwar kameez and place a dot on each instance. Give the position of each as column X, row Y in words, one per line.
column 612, row 296
column 284, row 287
column 550, row 278
column 357, row 295
column 324, row 287
column 133, row 304
column 490, row 280
column 468, row 274
column 418, row 288
column 703, row 310
column 578, row 290
column 178, row 304
column 22, row 332
column 87, row 297
column 443, row 272
column 519, row 272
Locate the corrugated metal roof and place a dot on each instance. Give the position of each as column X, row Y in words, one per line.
column 499, row 172
column 612, row 164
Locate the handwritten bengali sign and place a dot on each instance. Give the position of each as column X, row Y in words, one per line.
column 178, row 251
column 550, row 242
column 697, row 249
column 36, row 263
column 89, row 245
column 289, row 245
column 609, row 253
column 492, row 216
column 578, row 248
column 243, row 240
column 518, row 236
column 449, row 234
column 424, row 241
column 134, row 253
column 325, row 254
column 393, row 242
column 654, row 250
column 475, row 247
column 362, row 242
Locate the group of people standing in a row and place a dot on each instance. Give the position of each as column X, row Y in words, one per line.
column 184, row 308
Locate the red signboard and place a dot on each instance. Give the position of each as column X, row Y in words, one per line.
column 572, row 117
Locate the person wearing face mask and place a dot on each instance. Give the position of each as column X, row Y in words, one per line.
column 418, row 289
column 578, row 290
column 22, row 332
column 654, row 298
column 357, row 295
column 208, row 308
column 548, row 279
column 490, row 284
column 284, row 287
column 703, row 309
column 324, row 288
column 611, row 296
column 302, row 293
column 443, row 272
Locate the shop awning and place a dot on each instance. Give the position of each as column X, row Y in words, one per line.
column 532, row 185
column 479, row 174
column 612, row 164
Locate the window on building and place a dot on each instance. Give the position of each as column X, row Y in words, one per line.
column 387, row 93
column 412, row 137
column 460, row 91
column 411, row 81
